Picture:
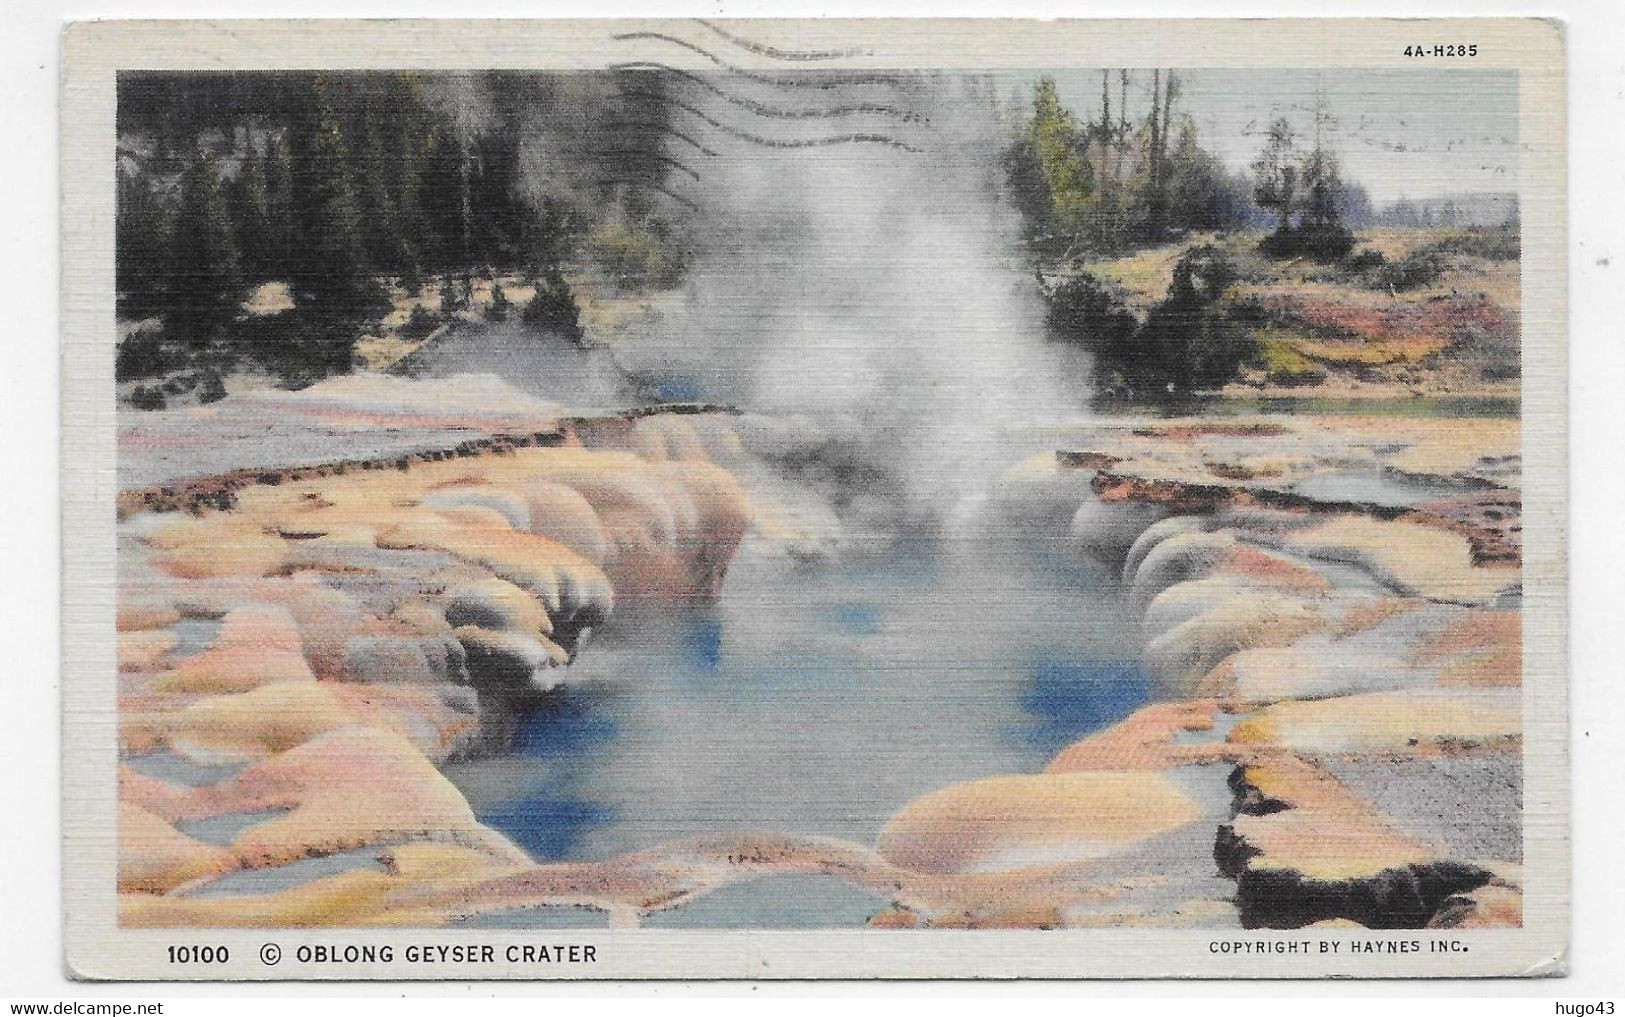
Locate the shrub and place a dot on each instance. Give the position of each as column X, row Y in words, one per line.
column 498, row 308
column 412, row 279
column 144, row 398
column 1422, row 267
column 455, row 294
column 1183, row 348
column 211, row 388
column 420, row 324
column 1083, row 311
column 1497, row 243
column 301, row 346
column 554, row 307
column 1497, row 352
column 1366, row 260
column 1202, row 274
column 1320, row 241
column 142, row 355
column 1193, row 339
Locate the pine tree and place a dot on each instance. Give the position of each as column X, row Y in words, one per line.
column 1196, row 186
column 1324, row 187
column 1158, row 169
column 554, row 308
column 406, row 181
column 1275, row 173
column 1322, row 235
column 140, row 250
column 1062, row 151
column 376, row 170
column 280, row 206
column 204, row 285
column 330, row 272
column 252, row 209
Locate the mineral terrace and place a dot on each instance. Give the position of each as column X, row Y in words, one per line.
column 1337, row 736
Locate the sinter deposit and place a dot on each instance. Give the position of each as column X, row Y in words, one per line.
column 1335, row 736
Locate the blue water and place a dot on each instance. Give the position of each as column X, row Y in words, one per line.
column 790, row 900
column 536, row 918
column 194, row 636
column 1408, row 406
column 814, row 700
column 679, row 390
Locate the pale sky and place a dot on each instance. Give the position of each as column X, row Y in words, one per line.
column 1413, row 133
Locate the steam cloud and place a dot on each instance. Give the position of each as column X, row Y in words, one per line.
column 854, row 265
column 859, row 268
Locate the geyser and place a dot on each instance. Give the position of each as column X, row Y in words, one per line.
column 858, row 268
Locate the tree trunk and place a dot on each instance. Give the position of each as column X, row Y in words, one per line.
column 1154, row 158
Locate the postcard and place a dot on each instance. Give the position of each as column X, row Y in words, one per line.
column 756, row 499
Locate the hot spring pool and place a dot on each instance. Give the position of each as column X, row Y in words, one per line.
column 815, row 700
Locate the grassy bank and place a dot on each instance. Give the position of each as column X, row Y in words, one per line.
column 1409, row 313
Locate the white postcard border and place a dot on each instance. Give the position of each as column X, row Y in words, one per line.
column 97, row 948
